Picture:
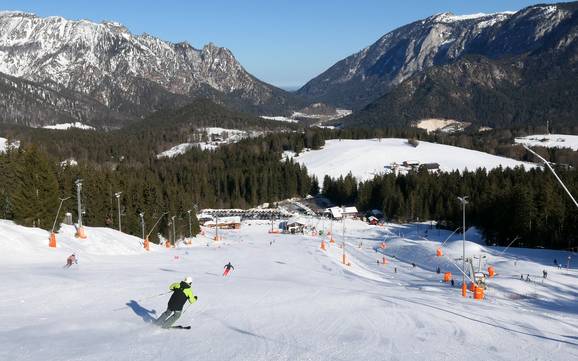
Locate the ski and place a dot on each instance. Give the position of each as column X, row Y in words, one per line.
column 182, row 327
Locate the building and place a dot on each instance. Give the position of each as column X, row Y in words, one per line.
column 339, row 213
column 224, row 222
column 294, row 227
column 431, row 167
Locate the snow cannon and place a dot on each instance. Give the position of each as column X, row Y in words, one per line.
column 382, row 245
column 384, row 261
column 331, row 240
column 323, row 246
column 168, row 244
column 345, row 261
column 80, row 233
column 146, row 244
column 52, row 240
column 479, row 293
column 439, row 252
column 464, row 290
column 491, row 272
column 472, row 287
column 447, row 276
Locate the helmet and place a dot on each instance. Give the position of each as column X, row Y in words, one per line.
column 188, row 279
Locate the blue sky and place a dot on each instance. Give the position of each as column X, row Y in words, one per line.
column 283, row 42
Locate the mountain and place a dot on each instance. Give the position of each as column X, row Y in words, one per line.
column 439, row 40
column 103, row 73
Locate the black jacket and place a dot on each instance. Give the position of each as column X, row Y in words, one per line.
column 181, row 294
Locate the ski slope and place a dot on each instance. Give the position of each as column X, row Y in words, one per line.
column 368, row 157
column 286, row 299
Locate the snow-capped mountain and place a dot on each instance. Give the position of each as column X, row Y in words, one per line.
column 126, row 73
column 440, row 39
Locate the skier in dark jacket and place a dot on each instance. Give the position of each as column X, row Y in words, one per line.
column 181, row 293
column 228, row 268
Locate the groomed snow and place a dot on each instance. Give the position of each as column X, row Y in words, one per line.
column 367, row 158
column 65, row 126
column 550, row 141
column 286, row 299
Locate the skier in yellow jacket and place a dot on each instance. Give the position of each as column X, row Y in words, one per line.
column 181, row 293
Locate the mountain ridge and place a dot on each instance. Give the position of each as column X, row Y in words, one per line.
column 130, row 74
column 356, row 81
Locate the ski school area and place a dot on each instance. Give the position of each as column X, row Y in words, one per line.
column 364, row 292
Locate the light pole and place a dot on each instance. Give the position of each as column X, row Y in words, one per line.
column 78, row 183
column 142, row 223
column 464, row 201
column 79, row 230
column 174, row 232
column 343, row 235
column 117, row 195
column 190, row 226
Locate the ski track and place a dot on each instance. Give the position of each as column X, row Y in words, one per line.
column 285, row 301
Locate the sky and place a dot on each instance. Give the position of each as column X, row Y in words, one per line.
column 282, row 42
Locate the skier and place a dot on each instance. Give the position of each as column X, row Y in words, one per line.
column 438, row 270
column 227, row 268
column 394, row 268
column 452, row 282
column 555, row 262
column 70, row 260
column 181, row 293
column 545, row 274
column 413, row 264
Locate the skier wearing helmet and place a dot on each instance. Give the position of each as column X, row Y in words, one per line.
column 181, row 293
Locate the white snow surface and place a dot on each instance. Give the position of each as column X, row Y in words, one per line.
column 4, row 145
column 176, row 150
column 550, row 141
column 286, row 299
column 444, row 125
column 64, row 126
column 367, row 158
column 278, row 118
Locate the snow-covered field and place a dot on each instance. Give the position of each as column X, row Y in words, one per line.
column 286, row 299
column 367, row 158
column 5, row 145
column 550, row 141
column 65, row 126
column 217, row 137
column 443, row 125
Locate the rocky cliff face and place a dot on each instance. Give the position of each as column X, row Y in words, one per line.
column 127, row 74
column 442, row 39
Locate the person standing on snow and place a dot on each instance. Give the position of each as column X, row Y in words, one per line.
column 70, row 260
column 228, row 268
column 181, row 293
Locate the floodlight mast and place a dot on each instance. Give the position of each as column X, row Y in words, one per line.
column 464, row 201
column 142, row 223
column 78, row 183
column 117, row 195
